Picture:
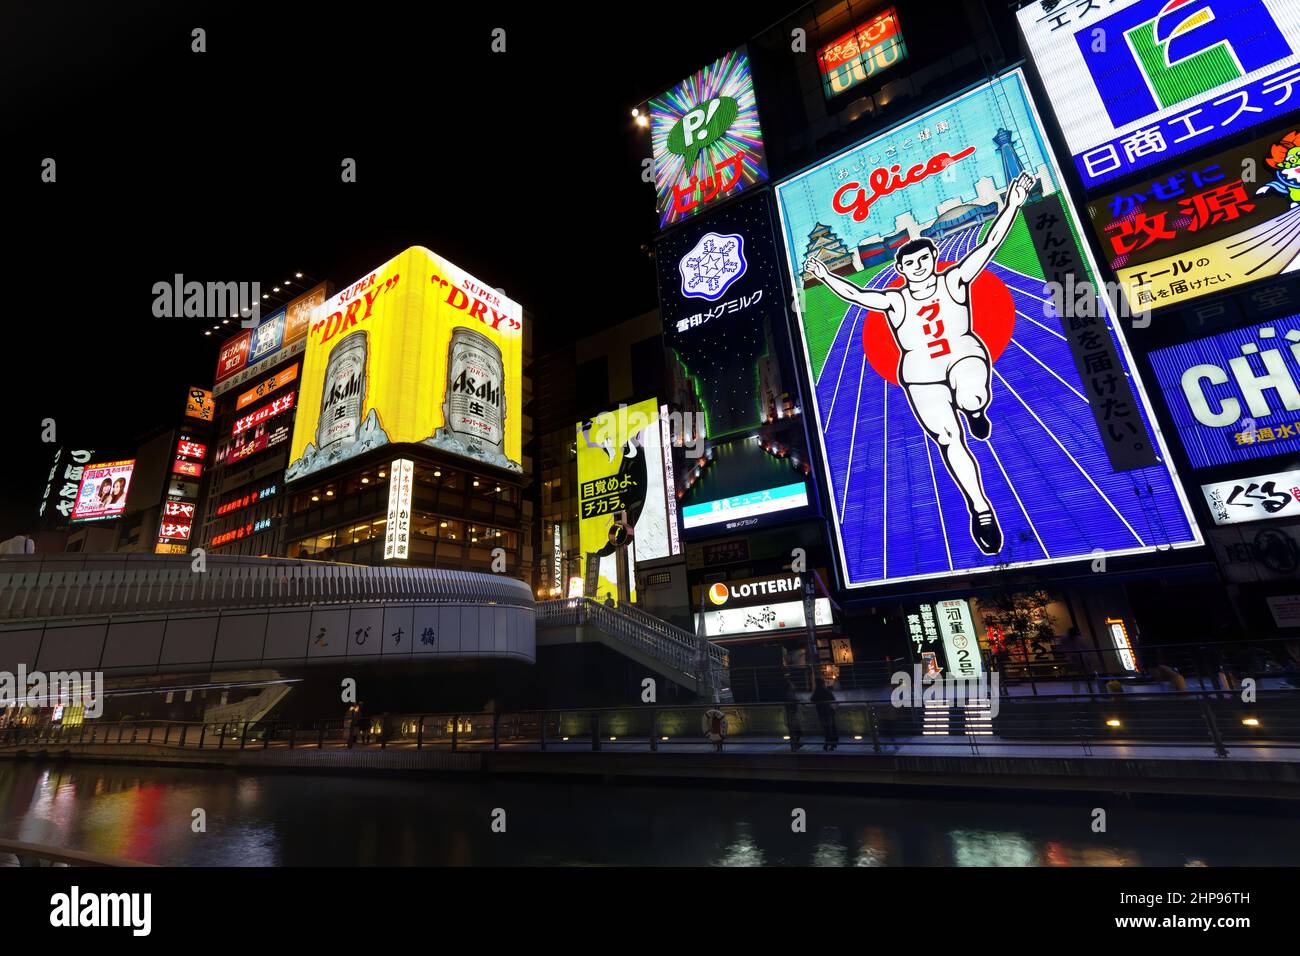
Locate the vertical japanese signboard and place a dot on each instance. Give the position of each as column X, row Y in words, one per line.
column 397, row 532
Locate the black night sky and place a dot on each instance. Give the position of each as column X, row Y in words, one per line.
column 523, row 167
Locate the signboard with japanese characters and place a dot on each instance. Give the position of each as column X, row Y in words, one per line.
column 866, row 50
column 282, row 404
column 622, row 496
column 762, row 618
column 198, row 404
column 706, row 138
column 974, row 396
column 397, row 530
column 1236, row 395
column 1209, row 225
column 1257, row 498
column 277, row 338
column 177, row 521
column 732, row 372
column 266, row 387
column 103, row 490
column 1139, row 82
column 960, row 645
column 61, row 484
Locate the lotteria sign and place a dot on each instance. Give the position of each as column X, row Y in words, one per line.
column 966, row 425
column 763, row 589
column 1235, row 395
column 1138, row 82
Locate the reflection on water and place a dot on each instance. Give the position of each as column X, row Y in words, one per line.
column 150, row 814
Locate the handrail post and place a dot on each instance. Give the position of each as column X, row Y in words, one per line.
column 243, row 735
column 266, row 735
column 203, row 733
column 595, row 730
column 1216, row 737
column 221, row 741
column 875, row 730
column 149, row 740
column 654, row 729
column 320, row 736
column 541, row 729
column 496, row 730
column 167, row 734
column 293, row 733
column 120, row 731
column 455, row 731
column 419, row 734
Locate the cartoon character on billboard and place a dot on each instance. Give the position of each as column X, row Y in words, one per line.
column 1285, row 158
column 944, row 366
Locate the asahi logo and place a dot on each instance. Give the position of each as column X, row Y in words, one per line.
column 480, row 389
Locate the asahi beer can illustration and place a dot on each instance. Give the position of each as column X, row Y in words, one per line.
column 344, row 395
column 474, row 405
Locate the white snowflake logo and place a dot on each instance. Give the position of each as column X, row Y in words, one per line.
column 709, row 269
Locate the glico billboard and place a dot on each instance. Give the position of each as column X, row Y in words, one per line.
column 1139, row 82
column 1236, row 395
column 419, row 352
column 706, row 138
column 965, row 425
column 625, row 495
column 1208, row 225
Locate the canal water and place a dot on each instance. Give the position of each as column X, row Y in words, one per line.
column 146, row 813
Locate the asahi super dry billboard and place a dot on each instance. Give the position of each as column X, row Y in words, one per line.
column 418, row 352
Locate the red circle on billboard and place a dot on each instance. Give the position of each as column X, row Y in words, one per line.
column 993, row 320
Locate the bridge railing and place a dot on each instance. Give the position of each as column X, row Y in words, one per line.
column 45, row 590
column 1192, row 722
column 671, row 645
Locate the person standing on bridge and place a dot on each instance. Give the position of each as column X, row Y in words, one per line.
column 825, row 701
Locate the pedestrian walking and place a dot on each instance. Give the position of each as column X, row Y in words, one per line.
column 824, row 700
column 715, row 726
column 791, row 697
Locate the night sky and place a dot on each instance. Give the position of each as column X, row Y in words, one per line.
column 523, row 168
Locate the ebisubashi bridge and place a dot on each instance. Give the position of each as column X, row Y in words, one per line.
column 129, row 615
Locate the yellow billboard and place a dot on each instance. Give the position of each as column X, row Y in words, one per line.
column 417, row 352
column 625, row 500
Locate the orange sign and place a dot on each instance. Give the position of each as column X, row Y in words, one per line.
column 299, row 312
column 266, row 387
column 198, row 404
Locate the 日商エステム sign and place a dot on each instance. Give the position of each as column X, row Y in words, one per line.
column 1139, row 82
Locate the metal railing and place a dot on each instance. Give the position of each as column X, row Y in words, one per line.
column 14, row 853
column 1194, row 722
column 672, row 646
column 48, row 588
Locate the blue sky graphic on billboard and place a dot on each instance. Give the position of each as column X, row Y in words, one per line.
column 1235, row 395
column 965, row 426
column 1138, row 82
column 732, row 370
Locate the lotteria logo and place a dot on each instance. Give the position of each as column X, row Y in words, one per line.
column 720, row 594
column 1156, row 54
